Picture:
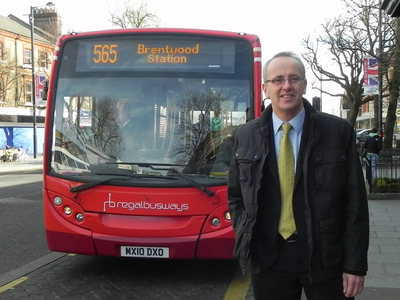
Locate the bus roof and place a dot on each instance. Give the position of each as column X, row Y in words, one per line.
column 162, row 30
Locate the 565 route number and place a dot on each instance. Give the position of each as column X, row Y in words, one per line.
column 105, row 54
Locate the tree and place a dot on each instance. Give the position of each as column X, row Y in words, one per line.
column 102, row 133
column 10, row 77
column 348, row 39
column 14, row 136
column 133, row 15
column 391, row 72
column 194, row 144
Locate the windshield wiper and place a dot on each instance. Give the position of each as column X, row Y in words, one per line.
column 146, row 165
column 195, row 183
column 100, row 182
column 92, row 184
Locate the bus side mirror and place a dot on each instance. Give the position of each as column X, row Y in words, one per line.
column 45, row 89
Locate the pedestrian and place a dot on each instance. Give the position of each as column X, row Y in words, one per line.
column 316, row 237
column 199, row 131
column 372, row 147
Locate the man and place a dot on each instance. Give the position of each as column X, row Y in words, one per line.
column 133, row 129
column 200, row 130
column 318, row 239
column 124, row 110
column 372, row 147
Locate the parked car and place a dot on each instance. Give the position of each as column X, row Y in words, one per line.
column 362, row 135
column 358, row 130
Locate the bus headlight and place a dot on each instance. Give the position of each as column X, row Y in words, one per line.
column 67, row 210
column 57, row 201
column 228, row 216
column 79, row 217
column 215, row 222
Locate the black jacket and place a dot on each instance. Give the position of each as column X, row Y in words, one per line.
column 373, row 144
column 329, row 202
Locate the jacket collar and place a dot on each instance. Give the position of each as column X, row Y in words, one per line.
column 264, row 122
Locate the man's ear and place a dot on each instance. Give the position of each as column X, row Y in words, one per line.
column 305, row 86
column 265, row 90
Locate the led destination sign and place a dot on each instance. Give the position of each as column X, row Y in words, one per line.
column 167, row 54
column 134, row 55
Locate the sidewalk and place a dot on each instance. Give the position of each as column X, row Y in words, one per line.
column 31, row 164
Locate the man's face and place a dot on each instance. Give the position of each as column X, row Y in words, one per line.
column 123, row 115
column 286, row 97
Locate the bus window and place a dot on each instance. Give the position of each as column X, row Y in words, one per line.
column 162, row 119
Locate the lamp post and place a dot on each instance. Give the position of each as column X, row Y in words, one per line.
column 33, row 99
column 16, row 68
column 380, row 72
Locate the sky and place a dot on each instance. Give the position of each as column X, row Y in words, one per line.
column 280, row 24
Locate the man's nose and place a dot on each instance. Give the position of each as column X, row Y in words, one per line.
column 286, row 84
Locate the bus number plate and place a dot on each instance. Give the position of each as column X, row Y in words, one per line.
column 154, row 252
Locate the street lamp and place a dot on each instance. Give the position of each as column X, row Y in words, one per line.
column 31, row 20
column 380, row 72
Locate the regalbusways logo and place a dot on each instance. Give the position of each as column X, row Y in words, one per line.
column 143, row 205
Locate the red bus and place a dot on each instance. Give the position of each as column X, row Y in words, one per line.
column 136, row 123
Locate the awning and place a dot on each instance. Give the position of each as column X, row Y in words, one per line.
column 363, row 117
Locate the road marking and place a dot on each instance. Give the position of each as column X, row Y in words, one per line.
column 22, row 271
column 239, row 286
column 12, row 284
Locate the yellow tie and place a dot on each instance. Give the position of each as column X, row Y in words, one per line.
column 286, row 178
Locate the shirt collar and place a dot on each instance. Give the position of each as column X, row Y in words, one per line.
column 297, row 122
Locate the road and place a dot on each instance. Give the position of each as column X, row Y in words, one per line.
column 28, row 270
column 21, row 219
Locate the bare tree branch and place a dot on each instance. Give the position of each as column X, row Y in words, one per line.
column 134, row 15
column 347, row 39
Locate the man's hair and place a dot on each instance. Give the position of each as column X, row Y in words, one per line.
column 285, row 54
column 125, row 103
column 374, row 130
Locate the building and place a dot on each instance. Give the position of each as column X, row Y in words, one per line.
column 366, row 115
column 391, row 7
column 16, row 87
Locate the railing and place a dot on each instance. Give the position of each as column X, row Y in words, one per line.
column 385, row 177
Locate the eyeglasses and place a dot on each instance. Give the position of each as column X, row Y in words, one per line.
column 281, row 80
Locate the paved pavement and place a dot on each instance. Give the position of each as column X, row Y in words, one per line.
column 30, row 164
column 383, row 279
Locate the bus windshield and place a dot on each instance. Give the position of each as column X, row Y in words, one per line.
column 136, row 102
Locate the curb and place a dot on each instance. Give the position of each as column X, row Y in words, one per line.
column 384, row 196
column 30, row 267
